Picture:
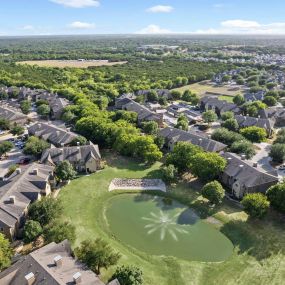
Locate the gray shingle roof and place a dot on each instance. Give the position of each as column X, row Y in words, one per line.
column 54, row 134
column 195, row 138
column 221, row 105
column 246, row 121
column 11, row 115
column 41, row 264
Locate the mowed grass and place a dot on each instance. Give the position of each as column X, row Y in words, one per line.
column 202, row 87
column 230, row 99
column 70, row 63
column 258, row 257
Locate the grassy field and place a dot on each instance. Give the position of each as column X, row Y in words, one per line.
column 202, row 87
column 69, row 63
column 258, row 257
column 230, row 99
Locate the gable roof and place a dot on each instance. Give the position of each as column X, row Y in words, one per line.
column 221, row 105
column 25, row 187
column 177, row 135
column 72, row 154
column 41, row 263
column 246, row 121
column 273, row 113
column 52, row 133
column 246, row 173
column 11, row 115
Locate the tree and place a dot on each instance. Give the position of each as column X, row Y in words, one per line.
column 26, row 106
column 5, row 147
column 277, row 152
column 256, row 205
column 159, row 141
column 79, row 140
column 176, row 95
column 17, row 130
column 35, row 146
column 102, row 102
column 6, row 252
column 64, row 171
column 128, row 275
column 225, row 136
column 45, row 210
column 162, row 101
column 239, row 100
column 209, row 116
column 96, row 254
column 231, row 125
column 128, row 116
column 227, row 115
column 150, row 127
column 187, row 96
column 270, row 85
column 182, row 123
column 58, row 231
column 254, row 134
column 182, row 155
column 32, row 230
column 4, row 124
column 214, row 192
column 243, row 147
column 269, row 101
column 68, row 116
column 169, row 173
column 43, row 110
column 207, row 165
column 152, row 96
column 276, row 196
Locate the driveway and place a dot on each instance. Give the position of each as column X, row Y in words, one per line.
column 13, row 158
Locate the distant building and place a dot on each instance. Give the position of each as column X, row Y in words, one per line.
column 53, row 264
column 254, row 96
column 18, row 191
column 173, row 136
column 84, row 158
column 12, row 116
column 58, row 136
column 276, row 114
column 243, row 177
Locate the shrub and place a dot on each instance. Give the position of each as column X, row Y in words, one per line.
column 227, row 137
column 243, row 147
column 277, row 152
column 58, row 231
column 32, row 230
column 227, row 115
column 128, row 275
column 256, row 205
column 169, row 173
column 254, row 134
column 214, row 192
column 276, row 196
column 231, row 125
column 64, row 171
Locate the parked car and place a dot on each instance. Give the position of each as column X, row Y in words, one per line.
column 24, row 160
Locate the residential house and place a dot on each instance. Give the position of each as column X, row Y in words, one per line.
column 18, row 191
column 246, row 121
column 173, row 136
column 13, row 116
column 53, row 264
column 276, row 114
column 218, row 106
column 144, row 114
column 56, row 135
column 57, row 106
column 244, row 177
column 84, row 158
column 256, row 96
column 180, row 109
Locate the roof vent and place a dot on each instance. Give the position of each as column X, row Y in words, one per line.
column 18, row 171
column 255, row 164
column 30, row 278
column 243, row 157
column 58, row 260
column 12, row 199
column 77, row 278
column 241, row 166
column 35, row 171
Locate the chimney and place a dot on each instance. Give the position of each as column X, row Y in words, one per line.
column 30, row 278
column 77, row 278
column 12, row 199
column 243, row 157
column 255, row 164
column 18, row 171
column 58, row 261
column 35, row 171
column 78, row 143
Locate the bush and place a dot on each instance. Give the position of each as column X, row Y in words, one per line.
column 64, row 171
column 128, row 275
column 150, row 128
column 169, row 173
column 227, row 115
column 6, row 252
column 227, row 137
column 254, row 134
column 276, row 196
column 270, row 101
column 231, row 125
column 214, row 192
column 58, row 231
column 35, row 146
column 238, row 100
column 209, row 116
column 256, row 205
column 79, row 140
column 32, row 230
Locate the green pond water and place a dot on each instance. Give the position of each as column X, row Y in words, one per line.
column 146, row 223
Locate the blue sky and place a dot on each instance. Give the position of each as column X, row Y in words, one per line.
column 45, row 17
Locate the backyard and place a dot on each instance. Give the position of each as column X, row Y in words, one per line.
column 259, row 246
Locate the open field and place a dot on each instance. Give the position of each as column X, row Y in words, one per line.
column 202, row 87
column 259, row 254
column 71, row 63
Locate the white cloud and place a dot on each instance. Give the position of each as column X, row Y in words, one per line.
column 27, row 28
column 77, row 3
column 245, row 27
column 153, row 29
column 160, row 9
column 81, row 25
column 218, row 5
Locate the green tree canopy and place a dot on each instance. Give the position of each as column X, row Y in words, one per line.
column 64, row 171
column 6, row 252
column 276, row 196
column 35, row 146
column 214, row 192
column 32, row 230
column 254, row 134
column 128, row 275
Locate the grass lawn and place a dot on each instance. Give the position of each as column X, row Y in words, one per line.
column 258, row 257
column 202, row 87
column 230, row 99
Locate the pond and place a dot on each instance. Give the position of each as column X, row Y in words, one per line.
column 147, row 223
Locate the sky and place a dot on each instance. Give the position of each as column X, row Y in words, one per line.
column 63, row 17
